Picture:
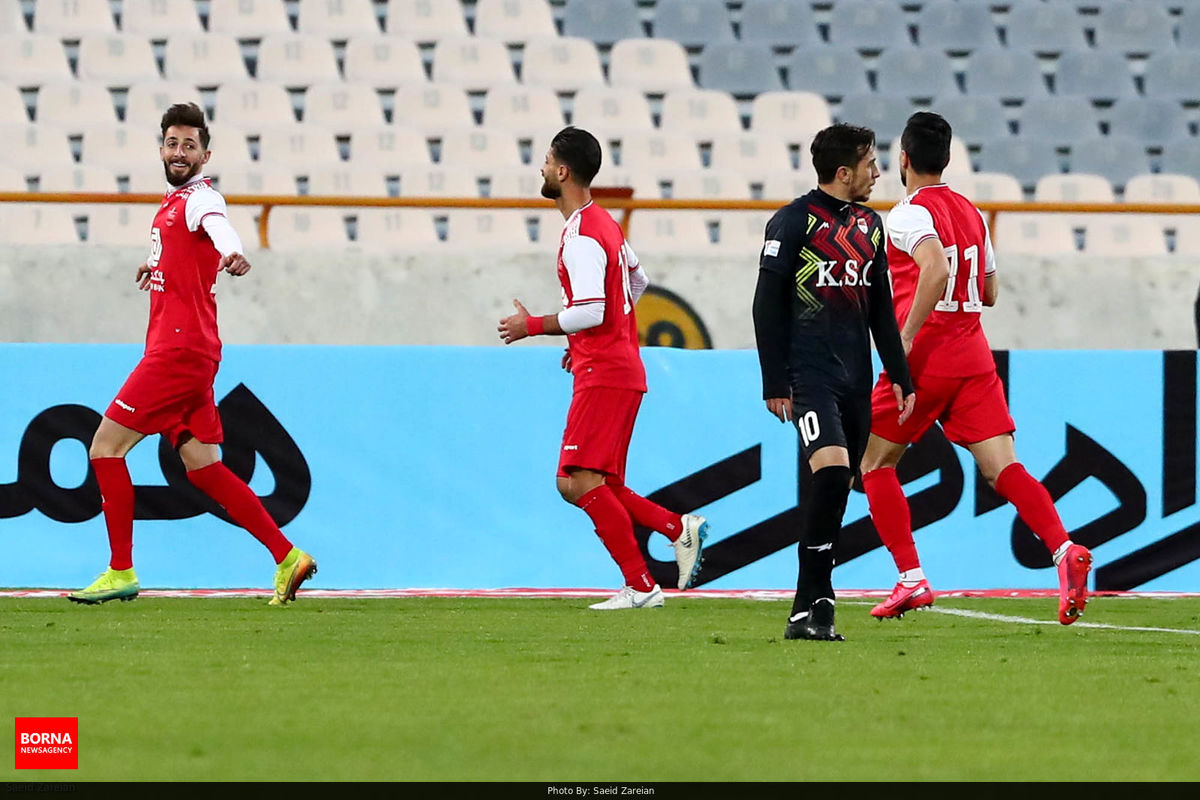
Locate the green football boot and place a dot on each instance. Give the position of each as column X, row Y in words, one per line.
column 291, row 572
column 112, row 584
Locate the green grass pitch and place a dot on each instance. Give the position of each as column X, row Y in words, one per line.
column 546, row 690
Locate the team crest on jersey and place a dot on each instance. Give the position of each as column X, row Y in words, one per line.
column 171, row 216
column 862, row 225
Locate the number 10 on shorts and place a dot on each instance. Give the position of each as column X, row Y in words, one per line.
column 809, row 427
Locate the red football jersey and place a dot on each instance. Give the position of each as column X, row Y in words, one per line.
column 951, row 343
column 183, row 273
column 607, row 354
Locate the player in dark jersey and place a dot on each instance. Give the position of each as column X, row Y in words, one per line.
column 822, row 294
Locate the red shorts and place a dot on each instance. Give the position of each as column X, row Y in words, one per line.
column 969, row 409
column 171, row 393
column 599, row 427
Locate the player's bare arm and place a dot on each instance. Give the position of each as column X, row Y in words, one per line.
column 991, row 289
column 930, row 257
column 235, row 264
column 518, row 326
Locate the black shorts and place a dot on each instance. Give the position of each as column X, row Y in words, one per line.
column 827, row 415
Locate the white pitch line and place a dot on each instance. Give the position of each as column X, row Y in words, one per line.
column 962, row 612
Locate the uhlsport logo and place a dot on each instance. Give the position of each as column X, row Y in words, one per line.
column 46, row 743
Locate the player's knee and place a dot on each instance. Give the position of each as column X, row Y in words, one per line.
column 568, row 490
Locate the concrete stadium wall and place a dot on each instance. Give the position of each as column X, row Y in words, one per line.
column 85, row 294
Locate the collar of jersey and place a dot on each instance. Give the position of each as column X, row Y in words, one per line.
column 831, row 202
column 578, row 211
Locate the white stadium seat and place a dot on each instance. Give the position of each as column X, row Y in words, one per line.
column 383, row 62
column 37, row 223
column 248, row 19
column 433, row 108
column 126, row 225
column 252, row 104
column 119, row 145
column 74, row 105
column 787, row 185
column 298, row 145
column 1187, row 236
column 487, row 228
column 32, row 59
column 754, row 155
column 347, row 179
column 244, row 220
column 228, row 144
column 425, row 20
column 564, row 64
column 259, row 177
column 388, row 148
column 395, row 228
column 1124, row 235
column 710, row 184
column 207, row 59
column 12, row 20
column 77, row 178
column 1034, row 234
column 516, row 182
column 602, row 108
column 742, row 231
column 438, row 181
column 514, row 21
column 145, row 177
column 658, row 151
column 296, row 59
column 1073, row 188
column 293, row 228
column 650, row 65
column 479, row 147
column 526, row 112
column 116, row 59
column 12, row 107
column 1162, row 188
column 796, row 116
column 12, row 180
column 159, row 19
column 146, row 102
column 700, row 113
column 71, row 19
column 669, row 231
column 337, row 19
column 472, row 63
column 987, row 187
column 341, row 106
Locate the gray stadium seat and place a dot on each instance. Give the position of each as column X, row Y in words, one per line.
column 883, row 114
column 1153, row 121
column 1063, row 120
column 1027, row 159
column 1117, row 158
column 1007, row 74
column 1094, row 74
column 1043, row 28
column 692, row 23
column 956, row 26
column 602, row 21
column 1181, row 157
column 779, row 23
column 1134, row 28
column 1189, row 29
column 868, row 25
column 740, row 69
column 1172, row 74
column 829, row 71
column 915, row 73
column 973, row 118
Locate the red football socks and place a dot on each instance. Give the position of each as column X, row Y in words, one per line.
column 1033, row 504
column 116, row 494
column 891, row 515
column 615, row 529
column 647, row 514
column 219, row 483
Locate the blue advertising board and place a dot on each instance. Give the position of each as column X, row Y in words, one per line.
column 434, row 467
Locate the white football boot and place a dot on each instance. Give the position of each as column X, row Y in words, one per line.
column 629, row 597
column 688, row 548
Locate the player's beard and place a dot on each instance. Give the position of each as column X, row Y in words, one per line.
column 550, row 192
column 191, row 173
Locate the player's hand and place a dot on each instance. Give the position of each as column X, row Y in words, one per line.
column 905, row 404
column 566, row 360
column 906, row 342
column 235, row 264
column 143, row 276
column 780, row 407
column 514, row 328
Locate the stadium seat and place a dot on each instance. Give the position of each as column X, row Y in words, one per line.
column 146, row 177
column 525, row 181
column 1098, row 75
column 207, row 59
column 38, row 223
column 1124, row 235
column 1171, row 75
column 245, row 221
column 76, row 178
column 124, row 225
column 1043, row 28
column 973, row 118
column 383, row 62
column 434, row 107
column 391, row 229
column 296, row 59
column 12, row 20
column 248, row 19
column 1117, row 158
column 699, row 113
column 1181, row 156
column 159, row 19
column 480, row 147
column 796, row 116
column 148, row 100
column 649, row 65
column 468, row 227
column 779, row 23
column 32, row 147
column 293, row 229
column 261, row 177
column 1134, row 28
column 1162, row 188
column 424, row 21
column 740, row 69
column 514, row 21
column 340, row 20
column 472, row 63
column 228, row 144
column 709, row 184
column 388, row 148
column 117, row 146
column 888, row 188
column 917, row 74
column 565, row 64
column 1033, row 234
column 1077, row 187
column 956, row 27
column 298, row 145
column 442, row 180
column 960, row 157
column 742, row 233
column 12, row 107
column 883, row 114
column 525, row 112
column 610, row 109
column 252, row 104
column 868, row 26
column 692, row 23
column 1062, row 120
column 656, row 151
column 363, row 180
column 753, row 155
column 74, row 105
column 669, row 231
column 1153, row 121
column 549, row 227
column 988, row 187
column 1026, row 158
column 117, row 59
column 828, row 71
column 1006, row 74
column 603, row 21
column 341, row 106
column 11, row 180
column 28, row 60
column 72, row 20
column 787, row 185
column 1188, row 29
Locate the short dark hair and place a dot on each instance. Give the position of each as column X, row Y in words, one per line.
column 839, row 145
column 580, row 151
column 189, row 115
column 926, row 140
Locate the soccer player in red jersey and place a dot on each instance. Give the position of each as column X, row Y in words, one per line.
column 601, row 282
column 171, row 390
column 943, row 274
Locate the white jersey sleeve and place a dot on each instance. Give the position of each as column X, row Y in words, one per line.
column 206, row 209
column 989, row 263
column 586, row 264
column 638, row 279
column 908, row 225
